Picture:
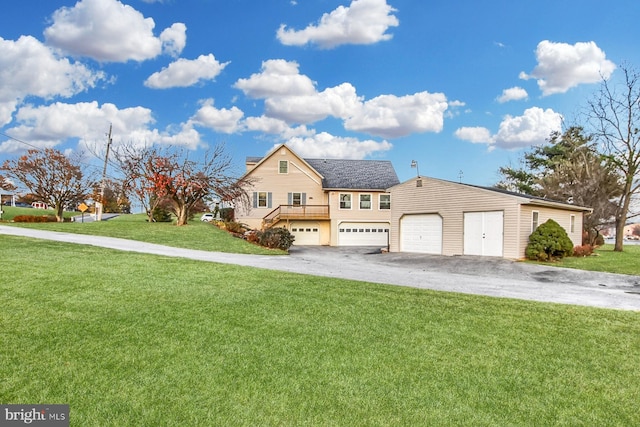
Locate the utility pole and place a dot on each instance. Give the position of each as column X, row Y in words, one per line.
column 99, row 206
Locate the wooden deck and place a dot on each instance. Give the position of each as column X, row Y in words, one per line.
column 293, row 212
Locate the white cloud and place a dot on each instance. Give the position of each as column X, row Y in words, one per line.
column 184, row 72
column 292, row 97
column 362, row 22
column 476, row 135
column 340, row 101
column 272, row 126
column 47, row 126
column 174, row 39
column 562, row 66
column 21, row 65
column 532, row 128
column 277, row 78
column 512, row 94
column 325, row 145
column 109, row 31
column 221, row 120
column 392, row 116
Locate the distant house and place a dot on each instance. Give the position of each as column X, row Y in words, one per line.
column 40, row 205
column 441, row 217
column 333, row 202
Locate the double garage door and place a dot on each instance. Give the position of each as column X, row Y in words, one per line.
column 482, row 233
column 363, row 234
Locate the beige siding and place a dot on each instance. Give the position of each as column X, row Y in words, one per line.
column 355, row 214
column 561, row 216
column 300, row 178
column 451, row 200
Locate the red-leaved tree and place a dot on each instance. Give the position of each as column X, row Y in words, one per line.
column 158, row 176
column 51, row 176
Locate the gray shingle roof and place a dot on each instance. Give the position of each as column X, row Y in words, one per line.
column 355, row 174
column 351, row 174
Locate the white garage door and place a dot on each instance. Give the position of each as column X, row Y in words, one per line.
column 421, row 233
column 483, row 233
column 306, row 233
column 363, row 234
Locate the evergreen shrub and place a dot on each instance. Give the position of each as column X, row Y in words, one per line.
column 549, row 242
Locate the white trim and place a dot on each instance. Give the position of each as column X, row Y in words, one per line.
column 305, row 172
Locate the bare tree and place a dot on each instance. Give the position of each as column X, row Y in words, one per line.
column 51, row 176
column 614, row 113
column 158, row 176
column 137, row 166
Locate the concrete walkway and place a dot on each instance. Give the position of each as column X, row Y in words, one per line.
column 472, row 275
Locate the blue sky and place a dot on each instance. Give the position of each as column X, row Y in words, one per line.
column 460, row 86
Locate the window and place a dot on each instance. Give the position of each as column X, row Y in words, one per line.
column 365, row 201
column 573, row 223
column 296, row 199
column 384, row 202
column 534, row 220
column 262, row 199
column 345, row 201
column 283, row 166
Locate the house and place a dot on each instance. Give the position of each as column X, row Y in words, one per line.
column 333, row 202
column 441, row 217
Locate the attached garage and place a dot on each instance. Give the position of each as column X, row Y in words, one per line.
column 305, row 233
column 421, row 233
column 483, row 233
column 363, row 234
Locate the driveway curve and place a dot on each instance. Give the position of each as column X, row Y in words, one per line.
column 494, row 277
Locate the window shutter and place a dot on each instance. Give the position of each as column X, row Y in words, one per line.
column 304, row 199
column 289, row 198
column 255, row 199
column 269, row 200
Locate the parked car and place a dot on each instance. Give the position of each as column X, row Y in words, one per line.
column 207, row 217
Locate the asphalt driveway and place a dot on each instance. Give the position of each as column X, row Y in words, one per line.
column 494, row 277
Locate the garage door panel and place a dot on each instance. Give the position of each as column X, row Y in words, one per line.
column 363, row 234
column 421, row 233
column 306, row 234
column 484, row 233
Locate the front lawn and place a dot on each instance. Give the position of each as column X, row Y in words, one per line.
column 196, row 235
column 606, row 260
column 137, row 340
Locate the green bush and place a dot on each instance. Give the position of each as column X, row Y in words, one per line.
column 161, row 215
column 276, row 238
column 549, row 242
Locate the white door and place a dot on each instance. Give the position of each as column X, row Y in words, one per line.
column 305, row 233
column 421, row 233
column 483, row 233
column 363, row 234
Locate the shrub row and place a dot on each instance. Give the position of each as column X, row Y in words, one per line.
column 34, row 218
column 274, row 238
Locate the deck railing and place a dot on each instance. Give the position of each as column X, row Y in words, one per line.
column 293, row 212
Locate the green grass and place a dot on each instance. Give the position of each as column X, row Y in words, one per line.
column 606, row 260
column 140, row 340
column 195, row 235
